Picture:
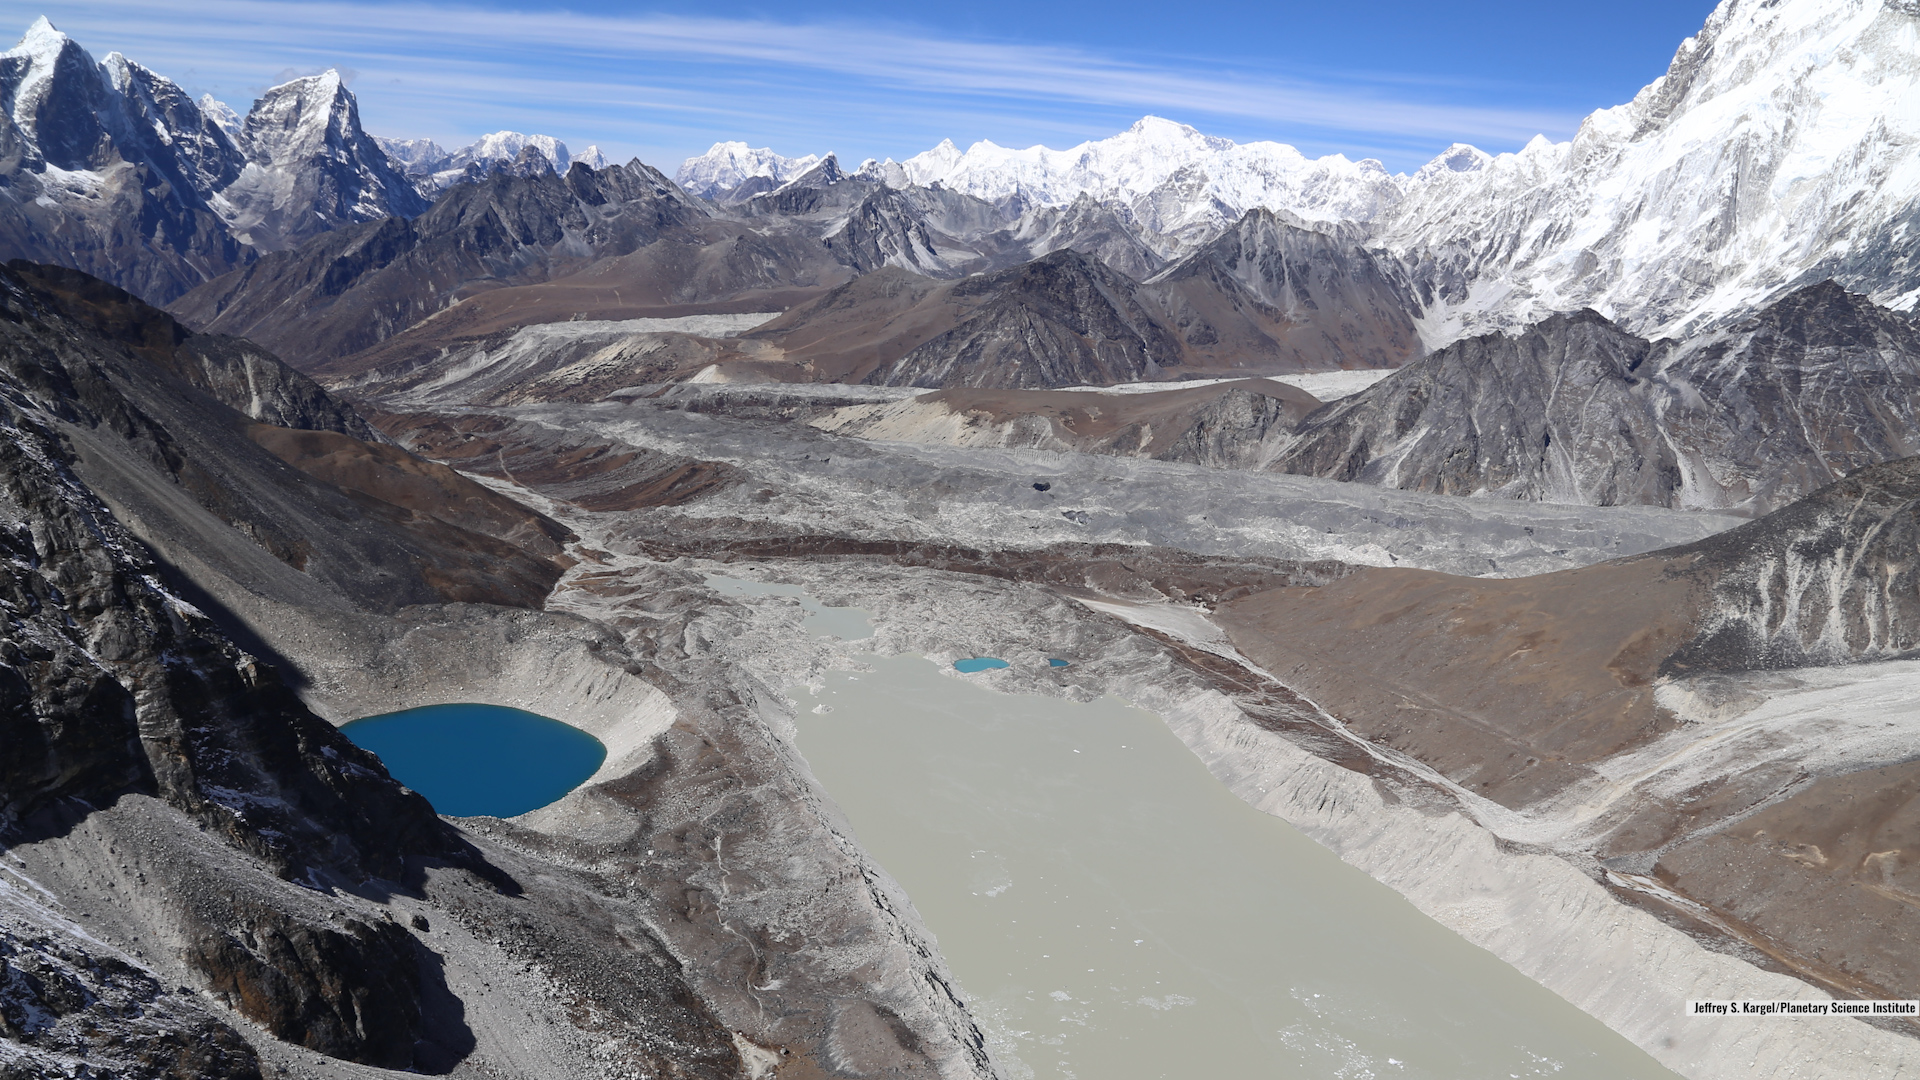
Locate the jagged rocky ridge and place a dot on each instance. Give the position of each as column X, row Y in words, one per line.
column 356, row 287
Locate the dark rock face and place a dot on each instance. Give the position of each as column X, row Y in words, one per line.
column 358, row 286
column 65, row 1000
column 235, row 372
column 1577, row 410
column 348, row 991
column 1557, row 414
column 126, row 687
column 1279, row 296
column 1792, row 398
column 1061, row 320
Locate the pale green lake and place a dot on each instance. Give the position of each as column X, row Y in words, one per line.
column 1112, row 912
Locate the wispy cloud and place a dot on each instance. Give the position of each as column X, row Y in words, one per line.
column 655, row 80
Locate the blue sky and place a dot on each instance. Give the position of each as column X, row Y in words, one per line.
column 1392, row 79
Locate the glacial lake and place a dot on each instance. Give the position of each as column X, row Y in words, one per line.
column 1111, row 911
column 480, row 759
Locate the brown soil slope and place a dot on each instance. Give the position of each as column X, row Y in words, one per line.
column 1508, row 687
column 1515, row 689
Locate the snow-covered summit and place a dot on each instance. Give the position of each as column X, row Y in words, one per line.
column 507, row 145
column 1776, row 151
column 221, row 113
column 730, row 164
column 434, row 169
column 1172, row 176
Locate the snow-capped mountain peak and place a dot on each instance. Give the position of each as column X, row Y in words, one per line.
column 507, row 145
column 727, row 165
column 1776, row 151
column 311, row 166
column 1172, row 177
column 42, row 39
column 1458, row 158
column 221, row 113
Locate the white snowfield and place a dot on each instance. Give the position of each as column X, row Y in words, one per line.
column 1777, row 151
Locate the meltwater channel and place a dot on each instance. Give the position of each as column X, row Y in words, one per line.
column 1112, row 911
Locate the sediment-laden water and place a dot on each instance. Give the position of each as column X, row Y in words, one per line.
column 1111, row 911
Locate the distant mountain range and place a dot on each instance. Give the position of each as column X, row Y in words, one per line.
column 1767, row 160
column 1774, row 153
column 113, row 169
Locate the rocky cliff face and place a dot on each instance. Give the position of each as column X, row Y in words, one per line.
column 117, row 688
column 1578, row 410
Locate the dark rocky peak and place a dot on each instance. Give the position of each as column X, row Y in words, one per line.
column 1064, row 319
column 1056, row 273
column 826, row 173
column 886, row 229
column 1515, row 416
column 1826, row 315
column 196, row 147
column 54, row 94
column 529, row 162
column 824, row 187
column 1575, row 409
column 1279, row 260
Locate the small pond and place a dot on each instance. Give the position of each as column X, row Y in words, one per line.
column 480, row 759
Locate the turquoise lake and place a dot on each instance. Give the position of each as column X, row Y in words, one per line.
column 480, row 759
column 979, row 663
